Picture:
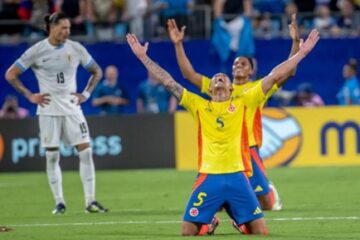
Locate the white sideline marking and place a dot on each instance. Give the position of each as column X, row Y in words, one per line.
column 173, row 222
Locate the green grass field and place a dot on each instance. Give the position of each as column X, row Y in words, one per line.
column 319, row 203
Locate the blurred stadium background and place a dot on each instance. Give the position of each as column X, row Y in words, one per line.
column 313, row 153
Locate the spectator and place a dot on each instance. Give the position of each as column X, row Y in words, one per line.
column 232, row 36
column 305, row 22
column 34, row 12
column 176, row 9
column 102, row 11
column 102, row 15
column 324, row 22
column 76, row 10
column 304, row 6
column 306, row 96
column 349, row 94
column 270, row 6
column 331, row 3
column 290, row 9
column 135, row 11
column 9, row 11
column 108, row 96
column 265, row 26
column 283, row 98
column 154, row 98
column 12, row 110
column 347, row 21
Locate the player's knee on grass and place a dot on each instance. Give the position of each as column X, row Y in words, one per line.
column 257, row 227
column 190, row 229
column 266, row 201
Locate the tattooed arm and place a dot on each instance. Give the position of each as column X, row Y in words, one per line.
column 96, row 75
column 163, row 76
column 12, row 76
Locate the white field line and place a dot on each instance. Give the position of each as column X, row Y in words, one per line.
column 176, row 221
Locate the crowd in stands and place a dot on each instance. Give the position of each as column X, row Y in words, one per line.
column 111, row 19
column 11, row 109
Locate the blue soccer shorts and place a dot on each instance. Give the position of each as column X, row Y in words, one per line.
column 258, row 180
column 211, row 192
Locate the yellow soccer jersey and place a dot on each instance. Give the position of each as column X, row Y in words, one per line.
column 253, row 115
column 222, row 133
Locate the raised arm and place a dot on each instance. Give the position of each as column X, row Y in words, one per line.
column 163, row 76
column 12, row 76
column 294, row 34
column 186, row 68
column 276, row 76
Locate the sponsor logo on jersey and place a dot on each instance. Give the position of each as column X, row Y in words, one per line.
column 194, row 212
column 245, row 90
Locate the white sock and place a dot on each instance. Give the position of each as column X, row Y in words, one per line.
column 53, row 171
column 87, row 174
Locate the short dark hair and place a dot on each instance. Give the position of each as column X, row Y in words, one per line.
column 251, row 61
column 53, row 19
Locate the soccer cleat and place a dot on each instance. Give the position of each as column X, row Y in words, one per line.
column 95, row 207
column 213, row 225
column 277, row 201
column 59, row 209
column 240, row 228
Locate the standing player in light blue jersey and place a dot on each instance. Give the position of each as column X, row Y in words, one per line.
column 54, row 61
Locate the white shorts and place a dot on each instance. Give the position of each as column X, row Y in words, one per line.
column 71, row 129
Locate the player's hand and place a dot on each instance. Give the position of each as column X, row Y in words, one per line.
column 309, row 44
column 138, row 49
column 80, row 98
column 175, row 35
column 41, row 99
column 293, row 29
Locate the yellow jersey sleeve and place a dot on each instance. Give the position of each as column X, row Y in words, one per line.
column 190, row 102
column 271, row 91
column 205, row 85
column 254, row 96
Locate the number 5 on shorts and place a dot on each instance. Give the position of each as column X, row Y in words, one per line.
column 200, row 196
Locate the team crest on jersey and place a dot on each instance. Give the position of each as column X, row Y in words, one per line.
column 231, row 108
column 194, row 212
column 245, row 90
column 68, row 57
